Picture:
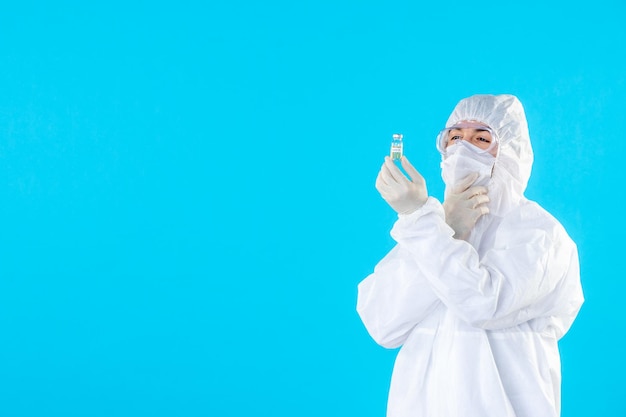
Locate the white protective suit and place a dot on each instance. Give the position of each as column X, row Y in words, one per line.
column 478, row 320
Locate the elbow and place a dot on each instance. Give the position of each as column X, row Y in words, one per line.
column 391, row 344
column 388, row 340
column 385, row 335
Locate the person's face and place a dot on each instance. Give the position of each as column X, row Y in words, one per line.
column 481, row 138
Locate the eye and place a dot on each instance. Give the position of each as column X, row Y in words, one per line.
column 455, row 137
column 484, row 139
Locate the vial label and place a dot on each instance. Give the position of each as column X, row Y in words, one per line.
column 396, row 146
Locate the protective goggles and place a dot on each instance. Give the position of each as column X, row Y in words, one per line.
column 483, row 144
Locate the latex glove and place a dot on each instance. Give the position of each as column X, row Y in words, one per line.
column 464, row 205
column 404, row 195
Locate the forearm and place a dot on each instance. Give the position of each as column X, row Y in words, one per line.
column 501, row 288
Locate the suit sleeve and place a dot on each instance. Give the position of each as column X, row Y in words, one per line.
column 531, row 270
column 395, row 298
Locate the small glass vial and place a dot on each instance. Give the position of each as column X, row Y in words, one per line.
column 396, row 146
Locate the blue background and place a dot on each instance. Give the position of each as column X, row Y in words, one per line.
column 188, row 202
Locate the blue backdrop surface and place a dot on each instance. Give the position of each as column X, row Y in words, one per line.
column 188, row 202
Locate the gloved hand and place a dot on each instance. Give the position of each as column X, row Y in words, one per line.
column 404, row 195
column 464, row 205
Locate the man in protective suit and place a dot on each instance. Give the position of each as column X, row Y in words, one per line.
column 479, row 289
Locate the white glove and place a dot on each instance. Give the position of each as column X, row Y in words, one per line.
column 464, row 205
column 404, row 195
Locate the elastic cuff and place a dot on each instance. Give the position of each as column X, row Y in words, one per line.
column 432, row 204
column 411, row 224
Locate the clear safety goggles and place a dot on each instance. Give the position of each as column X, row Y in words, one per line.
column 444, row 139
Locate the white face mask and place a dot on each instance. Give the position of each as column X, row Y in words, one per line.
column 463, row 159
